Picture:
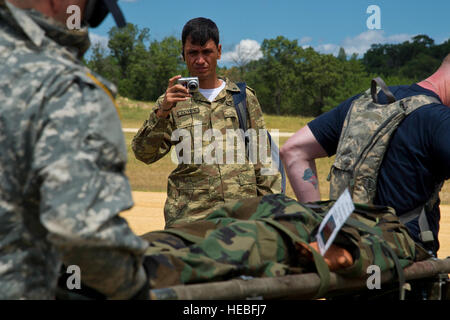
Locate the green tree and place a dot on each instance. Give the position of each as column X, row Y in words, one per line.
column 122, row 43
column 165, row 62
column 321, row 74
column 352, row 80
column 415, row 59
column 342, row 55
column 127, row 47
column 274, row 74
column 103, row 63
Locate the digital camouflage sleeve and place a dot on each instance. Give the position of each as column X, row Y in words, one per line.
column 196, row 188
column 62, row 165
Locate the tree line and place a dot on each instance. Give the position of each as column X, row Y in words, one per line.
column 288, row 79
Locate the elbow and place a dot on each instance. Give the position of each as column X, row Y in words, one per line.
column 139, row 151
column 284, row 153
column 144, row 158
column 293, row 154
column 290, row 153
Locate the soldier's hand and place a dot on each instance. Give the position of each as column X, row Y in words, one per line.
column 336, row 257
column 175, row 93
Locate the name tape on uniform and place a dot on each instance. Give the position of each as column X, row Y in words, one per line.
column 334, row 220
column 186, row 112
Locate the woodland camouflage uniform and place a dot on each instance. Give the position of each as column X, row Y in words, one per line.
column 62, row 164
column 259, row 237
column 195, row 190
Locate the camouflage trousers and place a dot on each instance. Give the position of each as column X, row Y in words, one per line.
column 259, row 237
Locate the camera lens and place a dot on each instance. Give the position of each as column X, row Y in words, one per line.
column 192, row 85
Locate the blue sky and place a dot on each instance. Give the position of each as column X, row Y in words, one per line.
column 324, row 25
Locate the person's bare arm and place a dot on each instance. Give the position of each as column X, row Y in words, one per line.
column 298, row 155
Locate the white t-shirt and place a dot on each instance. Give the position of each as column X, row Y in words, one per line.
column 211, row 94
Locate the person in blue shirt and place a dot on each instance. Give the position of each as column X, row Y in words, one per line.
column 417, row 158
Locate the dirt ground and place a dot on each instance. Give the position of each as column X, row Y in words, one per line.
column 147, row 215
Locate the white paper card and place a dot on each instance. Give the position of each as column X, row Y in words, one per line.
column 334, row 220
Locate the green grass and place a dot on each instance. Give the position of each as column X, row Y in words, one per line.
column 133, row 114
column 153, row 177
column 145, row 177
column 286, row 123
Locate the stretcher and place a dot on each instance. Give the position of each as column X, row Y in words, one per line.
column 426, row 279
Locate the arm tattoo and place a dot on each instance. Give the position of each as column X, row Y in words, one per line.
column 310, row 176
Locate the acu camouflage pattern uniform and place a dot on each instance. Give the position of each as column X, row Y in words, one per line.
column 62, row 166
column 195, row 190
column 259, row 237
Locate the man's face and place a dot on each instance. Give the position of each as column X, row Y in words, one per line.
column 201, row 61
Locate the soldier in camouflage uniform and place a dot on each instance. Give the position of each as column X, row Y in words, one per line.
column 62, row 164
column 197, row 188
column 269, row 236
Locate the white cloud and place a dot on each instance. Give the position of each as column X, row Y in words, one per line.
column 362, row 42
column 305, row 40
column 96, row 38
column 247, row 50
column 328, row 48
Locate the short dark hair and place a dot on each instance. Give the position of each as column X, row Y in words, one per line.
column 200, row 30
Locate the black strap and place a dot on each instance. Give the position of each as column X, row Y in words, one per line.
column 373, row 90
column 240, row 103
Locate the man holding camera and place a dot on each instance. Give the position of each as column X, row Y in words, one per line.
column 197, row 188
column 62, row 159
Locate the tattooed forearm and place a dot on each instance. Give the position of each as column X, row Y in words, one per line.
column 310, row 176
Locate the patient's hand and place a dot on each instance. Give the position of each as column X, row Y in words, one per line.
column 335, row 257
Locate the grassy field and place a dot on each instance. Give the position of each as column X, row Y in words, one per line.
column 153, row 177
column 133, row 114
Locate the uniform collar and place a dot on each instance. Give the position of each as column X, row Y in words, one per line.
column 229, row 86
column 26, row 24
column 37, row 27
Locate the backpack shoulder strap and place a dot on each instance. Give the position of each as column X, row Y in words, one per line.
column 373, row 90
column 364, row 139
column 420, row 213
column 240, row 103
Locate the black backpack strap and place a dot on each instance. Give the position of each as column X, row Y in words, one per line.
column 240, row 103
column 373, row 90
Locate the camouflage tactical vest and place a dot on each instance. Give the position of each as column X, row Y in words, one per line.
column 364, row 139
